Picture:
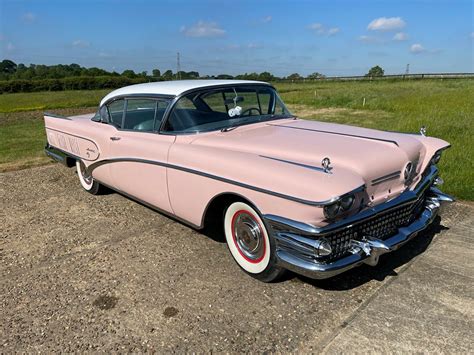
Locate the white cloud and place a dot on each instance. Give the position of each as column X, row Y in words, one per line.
column 315, row 26
column 386, row 24
column 203, row 29
column 320, row 29
column 28, row 17
column 267, row 19
column 417, row 48
column 400, row 36
column 80, row 43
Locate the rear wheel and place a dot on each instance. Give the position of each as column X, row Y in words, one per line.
column 249, row 242
column 86, row 180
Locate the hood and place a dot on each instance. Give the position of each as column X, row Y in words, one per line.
column 378, row 157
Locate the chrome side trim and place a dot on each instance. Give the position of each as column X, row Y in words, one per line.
column 284, row 224
column 296, row 163
column 337, row 133
column 49, row 114
column 391, row 176
column 93, row 166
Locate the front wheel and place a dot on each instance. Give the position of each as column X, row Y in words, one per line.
column 249, row 242
column 86, row 180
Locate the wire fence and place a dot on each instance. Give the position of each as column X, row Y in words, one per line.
column 385, row 77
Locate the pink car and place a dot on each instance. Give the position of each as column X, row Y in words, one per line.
column 288, row 194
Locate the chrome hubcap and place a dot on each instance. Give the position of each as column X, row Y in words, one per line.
column 248, row 236
column 87, row 178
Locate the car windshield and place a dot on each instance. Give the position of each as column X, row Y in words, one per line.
column 225, row 108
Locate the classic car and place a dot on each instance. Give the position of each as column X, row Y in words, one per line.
column 312, row 197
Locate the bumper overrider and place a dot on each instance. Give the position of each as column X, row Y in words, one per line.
column 361, row 238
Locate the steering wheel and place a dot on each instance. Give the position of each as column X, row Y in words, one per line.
column 249, row 111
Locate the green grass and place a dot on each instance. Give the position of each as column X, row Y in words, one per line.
column 445, row 107
column 50, row 100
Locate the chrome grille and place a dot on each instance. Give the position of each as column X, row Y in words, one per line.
column 382, row 226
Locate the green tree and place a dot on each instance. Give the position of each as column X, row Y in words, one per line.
column 266, row 76
column 315, row 75
column 167, row 75
column 7, row 66
column 129, row 73
column 294, row 76
column 375, row 72
column 156, row 73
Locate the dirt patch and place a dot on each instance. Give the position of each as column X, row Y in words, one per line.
column 170, row 312
column 105, row 302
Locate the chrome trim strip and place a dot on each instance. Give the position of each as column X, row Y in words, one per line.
column 93, row 166
column 295, row 163
column 49, row 114
column 73, row 135
column 337, row 133
column 279, row 223
column 387, row 177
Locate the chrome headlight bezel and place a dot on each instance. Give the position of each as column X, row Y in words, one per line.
column 337, row 208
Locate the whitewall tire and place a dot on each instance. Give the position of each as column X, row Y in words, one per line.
column 86, row 180
column 249, row 242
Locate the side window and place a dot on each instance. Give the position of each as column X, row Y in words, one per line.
column 215, row 101
column 116, row 112
column 280, row 108
column 264, row 97
column 144, row 115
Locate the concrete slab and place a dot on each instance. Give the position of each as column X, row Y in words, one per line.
column 429, row 308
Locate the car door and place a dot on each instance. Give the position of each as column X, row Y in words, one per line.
column 138, row 153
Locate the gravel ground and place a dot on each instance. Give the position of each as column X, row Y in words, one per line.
column 81, row 272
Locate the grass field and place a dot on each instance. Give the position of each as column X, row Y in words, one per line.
column 445, row 107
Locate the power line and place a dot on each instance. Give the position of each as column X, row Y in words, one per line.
column 178, row 67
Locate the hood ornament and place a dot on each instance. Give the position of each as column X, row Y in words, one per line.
column 326, row 163
column 423, row 131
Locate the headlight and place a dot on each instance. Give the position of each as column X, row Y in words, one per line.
column 340, row 206
column 408, row 171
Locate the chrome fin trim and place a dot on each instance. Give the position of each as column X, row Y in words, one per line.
column 337, row 133
column 391, row 176
column 296, row 163
column 95, row 165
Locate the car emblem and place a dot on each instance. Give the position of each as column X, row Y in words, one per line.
column 326, row 163
column 423, row 131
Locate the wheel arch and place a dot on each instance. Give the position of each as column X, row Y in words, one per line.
column 217, row 205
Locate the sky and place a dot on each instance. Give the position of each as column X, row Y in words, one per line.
column 335, row 38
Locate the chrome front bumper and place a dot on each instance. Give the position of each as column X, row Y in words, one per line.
column 296, row 242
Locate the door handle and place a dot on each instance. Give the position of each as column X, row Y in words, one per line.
column 114, row 138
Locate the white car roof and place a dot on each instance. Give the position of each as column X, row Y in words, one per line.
column 173, row 88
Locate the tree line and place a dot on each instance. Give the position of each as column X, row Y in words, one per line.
column 39, row 77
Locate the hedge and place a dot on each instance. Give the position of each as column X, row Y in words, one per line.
column 71, row 83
